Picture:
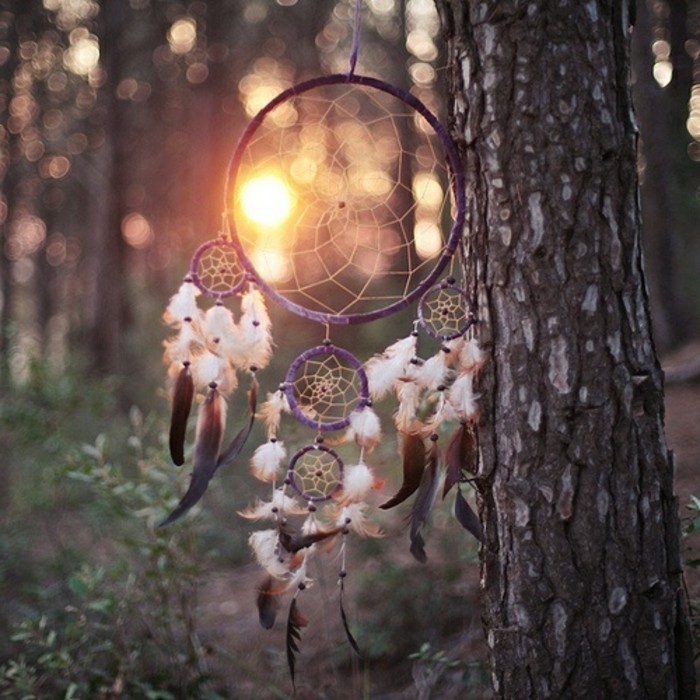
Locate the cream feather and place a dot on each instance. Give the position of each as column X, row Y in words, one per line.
column 219, row 327
column 409, row 394
column 384, row 370
column 183, row 304
column 271, row 411
column 267, row 460
column 354, row 518
column 279, row 506
column 462, row 397
column 434, row 372
column 269, row 553
column 255, row 339
column 364, row 428
column 358, row 481
column 183, row 346
column 471, row 357
column 209, row 367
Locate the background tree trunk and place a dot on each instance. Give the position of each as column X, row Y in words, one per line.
column 659, row 229
column 581, row 564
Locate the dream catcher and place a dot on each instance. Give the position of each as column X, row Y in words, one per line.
column 374, row 199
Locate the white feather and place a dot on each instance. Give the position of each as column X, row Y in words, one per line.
column 181, row 347
column 358, row 481
column 364, row 428
column 310, row 526
column 462, row 397
column 434, row 372
column 255, row 339
column 471, row 357
column 183, row 304
column 267, row 460
column 384, row 370
column 219, row 326
column 354, row 518
column 280, row 505
column 209, row 368
column 268, row 552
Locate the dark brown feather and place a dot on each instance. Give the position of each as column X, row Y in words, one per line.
column 236, row 445
column 268, row 603
column 461, row 456
column 295, row 621
column 413, row 469
column 423, row 504
column 210, row 432
column 344, row 618
column 295, row 541
column 183, row 393
column 466, row 516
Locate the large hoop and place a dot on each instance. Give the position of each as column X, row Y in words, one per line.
column 456, row 185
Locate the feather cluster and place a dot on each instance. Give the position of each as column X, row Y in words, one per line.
column 205, row 353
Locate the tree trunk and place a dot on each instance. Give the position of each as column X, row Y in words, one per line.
column 581, row 568
column 660, row 232
column 111, row 306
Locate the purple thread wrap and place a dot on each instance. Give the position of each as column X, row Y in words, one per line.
column 458, row 192
column 470, row 318
column 350, row 359
column 298, row 455
column 194, row 272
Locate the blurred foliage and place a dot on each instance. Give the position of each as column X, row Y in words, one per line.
column 123, row 619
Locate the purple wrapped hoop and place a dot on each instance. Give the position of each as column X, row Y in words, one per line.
column 303, row 393
column 315, row 472
column 216, row 269
column 302, row 299
column 445, row 311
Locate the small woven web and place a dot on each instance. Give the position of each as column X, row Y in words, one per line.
column 326, row 389
column 445, row 312
column 316, row 474
column 371, row 199
column 216, row 269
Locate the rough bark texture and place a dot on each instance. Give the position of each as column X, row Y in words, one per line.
column 581, row 565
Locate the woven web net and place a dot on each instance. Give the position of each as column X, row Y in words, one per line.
column 316, row 474
column 368, row 196
column 326, row 389
column 216, row 270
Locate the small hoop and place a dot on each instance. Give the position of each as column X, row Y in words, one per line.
column 445, row 311
column 315, row 472
column 319, row 400
column 216, row 269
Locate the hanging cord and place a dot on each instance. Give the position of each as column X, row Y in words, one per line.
column 355, row 38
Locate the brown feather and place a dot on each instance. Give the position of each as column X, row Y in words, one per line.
column 424, row 502
column 413, row 468
column 344, row 618
column 295, row 621
column 294, row 542
column 236, row 445
column 466, row 516
column 461, row 456
column 268, row 602
column 183, row 393
column 210, row 432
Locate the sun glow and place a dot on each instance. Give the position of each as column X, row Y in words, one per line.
column 267, row 200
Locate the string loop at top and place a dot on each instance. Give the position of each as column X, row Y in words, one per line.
column 355, row 51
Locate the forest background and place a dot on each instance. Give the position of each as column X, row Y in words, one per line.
column 118, row 120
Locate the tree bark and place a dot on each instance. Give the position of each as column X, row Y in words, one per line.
column 581, row 567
